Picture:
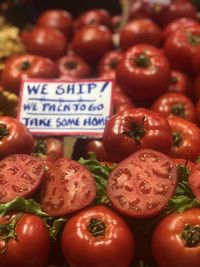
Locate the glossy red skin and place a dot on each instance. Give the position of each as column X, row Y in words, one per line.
column 18, row 140
column 32, row 247
column 109, row 61
column 140, row 31
column 143, row 84
column 68, row 187
column 45, row 41
column 92, row 42
column 59, row 19
column 157, row 133
column 73, row 66
column 82, row 249
column 190, row 133
column 177, row 25
column 21, row 176
column 180, row 82
column 39, row 67
column 168, row 247
column 97, row 16
column 174, row 10
column 165, row 103
column 178, row 47
column 141, row 185
column 121, row 102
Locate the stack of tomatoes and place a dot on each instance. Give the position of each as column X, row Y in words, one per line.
column 132, row 197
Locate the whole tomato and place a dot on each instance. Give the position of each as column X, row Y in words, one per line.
column 98, row 237
column 177, row 25
column 133, row 129
column 45, row 41
column 49, row 148
column 27, row 241
column 109, row 61
column 175, row 241
column 181, row 45
column 92, row 42
column 19, row 67
column 186, row 139
column 143, row 73
column 140, row 31
column 59, row 19
column 73, row 66
column 180, row 82
column 175, row 104
column 14, row 137
column 96, row 16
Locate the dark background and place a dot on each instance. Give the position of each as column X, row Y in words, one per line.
column 25, row 13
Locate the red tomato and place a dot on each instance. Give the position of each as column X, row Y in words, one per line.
column 92, row 42
column 68, row 187
column 109, row 61
column 50, row 148
column 180, row 82
column 97, row 237
column 175, row 104
column 97, row 16
column 19, row 67
column 133, row 129
column 116, row 21
column 141, row 185
column 174, row 10
column 197, row 87
column 198, row 112
column 14, row 137
column 184, row 162
column 175, row 241
column 59, row 19
column 140, row 31
column 196, row 61
column 31, row 245
column 121, row 102
column 45, row 41
column 20, row 175
column 73, row 66
column 181, row 45
column 186, row 139
column 177, row 25
column 143, row 73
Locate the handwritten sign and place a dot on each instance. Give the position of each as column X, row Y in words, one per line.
column 65, row 107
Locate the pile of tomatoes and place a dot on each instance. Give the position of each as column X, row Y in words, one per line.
column 130, row 198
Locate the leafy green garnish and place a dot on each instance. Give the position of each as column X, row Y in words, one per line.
column 100, row 173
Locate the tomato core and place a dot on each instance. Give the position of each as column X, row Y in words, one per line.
column 191, row 235
column 136, row 130
column 173, row 79
column 96, row 227
column 113, row 63
column 142, row 61
column 3, row 131
column 177, row 139
column 178, row 110
column 25, row 65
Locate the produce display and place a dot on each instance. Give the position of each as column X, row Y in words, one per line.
column 132, row 197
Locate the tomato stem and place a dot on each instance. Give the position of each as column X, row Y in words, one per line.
column 173, row 79
column 191, row 235
column 3, row 131
column 177, row 139
column 178, row 110
column 25, row 65
column 7, row 231
column 70, row 65
column 96, row 227
column 136, row 131
column 40, row 147
column 192, row 39
column 142, row 61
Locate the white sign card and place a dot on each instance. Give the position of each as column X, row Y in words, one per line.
column 58, row 107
